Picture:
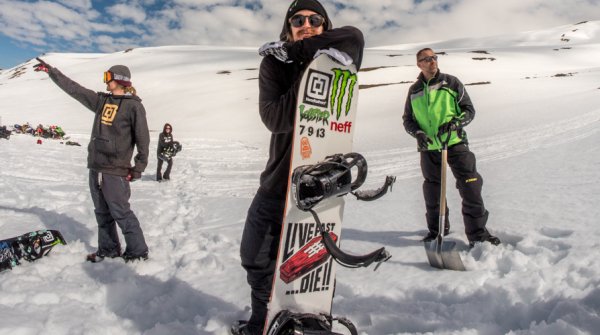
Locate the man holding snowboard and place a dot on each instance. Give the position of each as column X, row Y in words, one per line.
column 307, row 29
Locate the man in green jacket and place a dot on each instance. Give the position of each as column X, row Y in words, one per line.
column 436, row 105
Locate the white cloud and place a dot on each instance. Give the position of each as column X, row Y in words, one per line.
column 123, row 12
column 252, row 22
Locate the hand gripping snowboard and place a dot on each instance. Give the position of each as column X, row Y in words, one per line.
column 30, row 247
column 304, row 278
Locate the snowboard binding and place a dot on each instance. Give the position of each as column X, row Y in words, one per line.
column 288, row 323
column 312, row 184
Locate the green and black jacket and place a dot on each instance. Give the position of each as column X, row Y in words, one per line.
column 431, row 104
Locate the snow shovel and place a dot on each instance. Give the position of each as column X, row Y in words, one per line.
column 443, row 254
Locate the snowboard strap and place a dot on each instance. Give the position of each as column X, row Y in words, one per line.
column 286, row 322
column 347, row 260
column 312, row 184
column 378, row 193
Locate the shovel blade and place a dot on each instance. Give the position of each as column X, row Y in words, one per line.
column 444, row 255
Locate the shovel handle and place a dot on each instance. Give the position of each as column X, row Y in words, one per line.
column 444, row 164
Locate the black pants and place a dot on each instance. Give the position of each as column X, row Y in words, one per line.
column 110, row 195
column 258, row 251
column 468, row 182
column 167, row 174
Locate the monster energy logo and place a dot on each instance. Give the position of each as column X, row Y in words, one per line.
column 343, row 87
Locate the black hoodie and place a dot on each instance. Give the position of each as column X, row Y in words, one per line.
column 278, row 86
column 119, row 125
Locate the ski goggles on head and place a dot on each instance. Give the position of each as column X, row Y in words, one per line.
column 110, row 76
column 314, row 20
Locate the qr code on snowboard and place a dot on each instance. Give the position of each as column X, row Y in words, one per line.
column 316, row 91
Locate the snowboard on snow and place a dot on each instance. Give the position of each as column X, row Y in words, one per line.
column 304, row 279
column 30, row 247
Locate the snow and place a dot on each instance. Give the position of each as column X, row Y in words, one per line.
column 535, row 136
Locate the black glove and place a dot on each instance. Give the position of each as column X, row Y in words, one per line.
column 447, row 127
column 277, row 49
column 423, row 141
column 133, row 175
column 41, row 66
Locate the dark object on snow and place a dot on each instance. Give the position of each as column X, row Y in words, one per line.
column 5, row 133
column 72, row 143
column 30, row 247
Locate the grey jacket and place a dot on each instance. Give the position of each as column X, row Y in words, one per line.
column 119, row 125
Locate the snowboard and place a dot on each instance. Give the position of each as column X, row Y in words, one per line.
column 326, row 109
column 170, row 151
column 30, row 247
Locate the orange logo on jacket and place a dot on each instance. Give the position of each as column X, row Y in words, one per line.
column 108, row 114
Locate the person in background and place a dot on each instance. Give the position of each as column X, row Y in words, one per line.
column 119, row 127
column 438, row 106
column 165, row 141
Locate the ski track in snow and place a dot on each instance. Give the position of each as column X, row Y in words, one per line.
column 195, row 239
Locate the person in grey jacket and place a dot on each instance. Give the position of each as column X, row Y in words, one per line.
column 119, row 126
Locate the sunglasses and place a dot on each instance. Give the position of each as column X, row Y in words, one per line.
column 315, row 20
column 428, row 59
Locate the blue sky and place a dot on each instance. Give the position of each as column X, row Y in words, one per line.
column 30, row 28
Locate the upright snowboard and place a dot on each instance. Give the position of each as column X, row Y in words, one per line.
column 30, row 247
column 324, row 125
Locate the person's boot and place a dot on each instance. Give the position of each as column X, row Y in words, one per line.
column 132, row 258
column 491, row 239
column 97, row 257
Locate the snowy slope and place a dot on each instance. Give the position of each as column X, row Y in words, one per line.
column 535, row 136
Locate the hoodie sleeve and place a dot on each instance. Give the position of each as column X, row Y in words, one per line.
column 277, row 99
column 347, row 39
column 142, row 138
column 86, row 97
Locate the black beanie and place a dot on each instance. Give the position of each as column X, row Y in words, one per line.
column 298, row 5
